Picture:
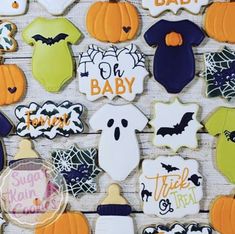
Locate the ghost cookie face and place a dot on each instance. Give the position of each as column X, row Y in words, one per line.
column 56, row 8
column 49, row 120
column 156, row 7
column 112, row 21
column 177, row 228
column 110, row 73
column 119, row 151
column 170, row 187
column 176, row 131
column 174, row 41
column 12, row 7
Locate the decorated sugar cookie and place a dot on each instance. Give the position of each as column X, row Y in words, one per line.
column 174, row 62
column 56, row 8
column 78, row 166
column 220, row 73
column 114, row 213
column 226, row 139
column 12, row 7
column 12, row 83
column 69, row 223
column 156, row 7
column 119, row 151
column 7, row 31
column 49, row 119
column 177, row 228
column 6, row 127
column 218, row 22
column 178, row 130
column 112, row 21
column 110, row 73
column 222, row 214
column 52, row 61
column 170, row 187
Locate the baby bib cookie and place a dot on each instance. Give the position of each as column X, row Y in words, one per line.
column 12, row 83
column 157, row 7
column 49, row 119
column 218, row 21
column 12, row 7
column 177, row 228
column 56, row 8
column 112, row 21
column 112, row 72
column 52, row 62
column 78, row 166
column 220, row 123
column 69, row 223
column 220, row 73
column 222, row 214
column 174, row 62
column 119, row 150
column 7, row 31
column 170, row 187
column 114, row 214
column 179, row 131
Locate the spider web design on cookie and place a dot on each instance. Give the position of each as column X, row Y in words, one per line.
column 220, row 73
column 78, row 166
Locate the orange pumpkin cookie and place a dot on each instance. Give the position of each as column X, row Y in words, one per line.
column 112, row 21
column 12, row 84
column 219, row 21
column 222, row 214
column 67, row 223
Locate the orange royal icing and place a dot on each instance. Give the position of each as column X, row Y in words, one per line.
column 174, row 39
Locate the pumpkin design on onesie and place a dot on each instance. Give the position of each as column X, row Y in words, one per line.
column 12, row 7
column 112, row 21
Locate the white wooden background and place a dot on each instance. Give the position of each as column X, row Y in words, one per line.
column 214, row 183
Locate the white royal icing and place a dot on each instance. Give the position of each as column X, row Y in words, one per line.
column 7, row 9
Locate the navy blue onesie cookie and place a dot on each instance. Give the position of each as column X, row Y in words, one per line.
column 174, row 63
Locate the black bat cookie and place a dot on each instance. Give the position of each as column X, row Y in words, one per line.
column 50, row 41
column 169, row 168
column 178, row 128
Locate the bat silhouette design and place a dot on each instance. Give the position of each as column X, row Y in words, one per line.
column 169, row 168
column 50, row 41
column 178, row 128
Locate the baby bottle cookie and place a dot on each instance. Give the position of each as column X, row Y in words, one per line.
column 114, row 214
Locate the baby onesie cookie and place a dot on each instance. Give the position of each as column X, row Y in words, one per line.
column 218, row 22
column 170, row 187
column 112, row 72
column 78, row 166
column 156, row 7
column 49, row 119
column 221, row 123
column 52, row 61
column 56, row 8
column 174, row 62
column 12, row 83
column 119, row 151
column 181, row 130
column 7, row 42
column 222, row 214
column 114, row 214
column 6, row 128
column 177, row 228
column 220, row 73
column 69, row 223
column 112, row 21
column 12, row 7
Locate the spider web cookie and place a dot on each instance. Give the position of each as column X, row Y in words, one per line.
column 78, row 166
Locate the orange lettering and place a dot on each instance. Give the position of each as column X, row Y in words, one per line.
column 183, row 2
column 130, row 84
column 107, row 88
column 95, row 89
column 120, row 87
column 171, row 1
column 159, row 2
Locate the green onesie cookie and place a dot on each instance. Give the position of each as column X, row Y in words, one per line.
column 222, row 123
column 52, row 61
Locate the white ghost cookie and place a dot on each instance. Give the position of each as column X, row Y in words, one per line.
column 175, row 125
column 119, row 151
column 56, row 7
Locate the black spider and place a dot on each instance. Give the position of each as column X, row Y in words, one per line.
column 230, row 135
